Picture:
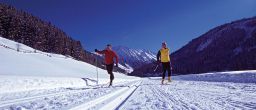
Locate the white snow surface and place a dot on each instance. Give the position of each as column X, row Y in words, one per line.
column 192, row 95
column 209, row 91
column 29, row 69
column 248, row 76
column 126, row 67
column 35, row 81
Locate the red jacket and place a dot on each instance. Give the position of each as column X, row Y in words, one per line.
column 109, row 56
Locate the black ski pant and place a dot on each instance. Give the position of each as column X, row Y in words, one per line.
column 110, row 71
column 166, row 67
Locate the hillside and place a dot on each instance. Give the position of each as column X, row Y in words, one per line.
column 231, row 46
column 228, row 47
column 134, row 57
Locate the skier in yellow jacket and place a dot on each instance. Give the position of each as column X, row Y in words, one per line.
column 163, row 56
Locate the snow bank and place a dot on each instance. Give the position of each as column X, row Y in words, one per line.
column 21, row 83
column 29, row 69
column 43, row 64
column 231, row 76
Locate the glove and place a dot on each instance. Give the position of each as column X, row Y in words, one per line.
column 158, row 62
column 96, row 50
column 116, row 64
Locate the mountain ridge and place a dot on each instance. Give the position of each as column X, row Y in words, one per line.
column 134, row 57
column 228, row 47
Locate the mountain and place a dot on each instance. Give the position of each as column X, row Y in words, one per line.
column 25, row 68
column 231, row 46
column 36, row 80
column 27, row 29
column 134, row 58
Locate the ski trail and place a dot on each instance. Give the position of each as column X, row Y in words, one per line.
column 146, row 94
column 192, row 95
column 28, row 99
column 109, row 101
column 66, row 99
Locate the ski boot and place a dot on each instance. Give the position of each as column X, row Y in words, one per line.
column 162, row 81
column 169, row 79
column 110, row 83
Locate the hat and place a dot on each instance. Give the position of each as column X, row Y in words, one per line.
column 164, row 43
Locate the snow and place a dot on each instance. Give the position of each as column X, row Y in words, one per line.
column 36, row 81
column 134, row 56
column 41, row 64
column 204, row 91
column 243, row 25
column 113, row 100
column 214, row 34
column 30, row 70
column 230, row 76
column 191, row 95
column 204, row 45
column 126, row 67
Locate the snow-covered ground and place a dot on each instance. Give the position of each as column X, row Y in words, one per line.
column 184, row 92
column 192, row 95
column 27, row 74
column 31, row 69
column 32, row 80
column 27, row 62
column 230, row 76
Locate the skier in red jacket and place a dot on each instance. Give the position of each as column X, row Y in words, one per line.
column 109, row 60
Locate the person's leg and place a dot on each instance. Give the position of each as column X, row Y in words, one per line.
column 110, row 72
column 109, row 69
column 164, row 70
column 169, row 71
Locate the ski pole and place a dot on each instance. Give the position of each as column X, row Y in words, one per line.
column 171, row 68
column 156, row 68
column 97, row 70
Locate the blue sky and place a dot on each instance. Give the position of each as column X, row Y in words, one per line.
column 140, row 24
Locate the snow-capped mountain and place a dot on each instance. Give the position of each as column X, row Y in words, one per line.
column 31, row 79
column 231, row 46
column 134, row 57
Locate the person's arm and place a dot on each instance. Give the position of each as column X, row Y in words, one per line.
column 116, row 57
column 158, row 56
column 170, row 60
column 100, row 52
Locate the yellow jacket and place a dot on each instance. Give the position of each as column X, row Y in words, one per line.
column 164, row 55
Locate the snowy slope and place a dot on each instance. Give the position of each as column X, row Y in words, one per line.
column 35, row 86
column 210, row 91
column 31, row 69
column 248, row 76
column 185, row 92
column 192, row 95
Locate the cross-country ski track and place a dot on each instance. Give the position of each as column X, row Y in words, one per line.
column 146, row 93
